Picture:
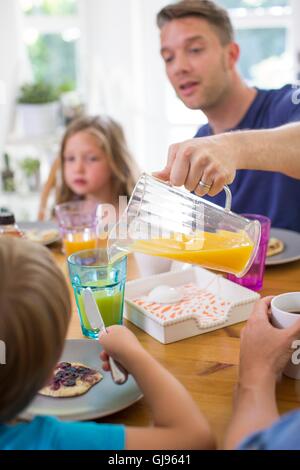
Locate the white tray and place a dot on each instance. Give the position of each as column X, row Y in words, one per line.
column 241, row 300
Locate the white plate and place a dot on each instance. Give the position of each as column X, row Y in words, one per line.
column 40, row 228
column 291, row 251
column 102, row 399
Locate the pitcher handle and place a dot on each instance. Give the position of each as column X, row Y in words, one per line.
column 228, row 200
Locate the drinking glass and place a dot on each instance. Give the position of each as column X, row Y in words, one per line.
column 90, row 268
column 255, row 276
column 78, row 225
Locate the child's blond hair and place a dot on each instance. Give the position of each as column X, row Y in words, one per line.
column 34, row 315
column 111, row 139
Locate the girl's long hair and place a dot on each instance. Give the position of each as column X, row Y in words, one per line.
column 111, row 139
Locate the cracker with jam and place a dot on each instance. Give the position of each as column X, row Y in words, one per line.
column 70, row 379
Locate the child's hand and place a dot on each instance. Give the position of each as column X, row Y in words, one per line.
column 265, row 350
column 121, row 345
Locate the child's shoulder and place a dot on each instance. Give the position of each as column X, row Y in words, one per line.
column 49, row 433
column 35, row 434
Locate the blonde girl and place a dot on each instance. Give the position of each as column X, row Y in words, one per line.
column 95, row 164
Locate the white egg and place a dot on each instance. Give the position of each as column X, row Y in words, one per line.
column 164, row 295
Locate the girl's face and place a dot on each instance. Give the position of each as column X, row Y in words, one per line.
column 86, row 168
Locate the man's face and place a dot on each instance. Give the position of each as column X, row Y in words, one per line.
column 197, row 64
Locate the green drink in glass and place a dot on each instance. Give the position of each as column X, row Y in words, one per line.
column 90, row 268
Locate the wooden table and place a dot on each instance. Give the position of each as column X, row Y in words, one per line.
column 207, row 364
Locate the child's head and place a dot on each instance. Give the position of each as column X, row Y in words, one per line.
column 94, row 157
column 34, row 315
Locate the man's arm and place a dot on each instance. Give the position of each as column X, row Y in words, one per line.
column 214, row 160
column 271, row 150
column 261, row 362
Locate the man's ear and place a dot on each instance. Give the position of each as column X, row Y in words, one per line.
column 233, row 54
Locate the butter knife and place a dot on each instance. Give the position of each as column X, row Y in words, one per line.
column 93, row 314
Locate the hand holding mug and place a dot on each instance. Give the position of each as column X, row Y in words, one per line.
column 265, row 349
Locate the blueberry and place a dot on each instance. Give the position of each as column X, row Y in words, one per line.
column 69, row 382
column 64, row 365
column 83, row 370
column 59, row 375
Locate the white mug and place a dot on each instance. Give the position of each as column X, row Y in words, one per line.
column 282, row 307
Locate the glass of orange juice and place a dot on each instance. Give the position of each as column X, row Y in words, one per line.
column 78, row 225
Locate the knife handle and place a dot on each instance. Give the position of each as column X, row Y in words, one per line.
column 118, row 374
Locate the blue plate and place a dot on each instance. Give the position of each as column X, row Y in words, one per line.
column 102, row 399
column 44, row 233
column 291, row 250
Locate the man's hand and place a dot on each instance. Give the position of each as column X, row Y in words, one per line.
column 207, row 159
column 265, row 350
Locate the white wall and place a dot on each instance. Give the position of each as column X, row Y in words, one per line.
column 126, row 77
column 9, row 53
column 14, row 64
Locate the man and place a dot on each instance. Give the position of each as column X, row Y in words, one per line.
column 200, row 54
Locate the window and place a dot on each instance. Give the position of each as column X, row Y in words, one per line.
column 265, row 63
column 263, row 33
column 230, row 4
column 53, row 59
column 51, row 33
column 49, row 7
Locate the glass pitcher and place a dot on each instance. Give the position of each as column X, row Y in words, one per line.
column 170, row 222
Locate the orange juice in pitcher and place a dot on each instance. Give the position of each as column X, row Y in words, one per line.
column 169, row 222
column 230, row 252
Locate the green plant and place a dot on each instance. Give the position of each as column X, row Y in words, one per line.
column 38, row 93
column 30, row 166
column 50, row 7
column 67, row 86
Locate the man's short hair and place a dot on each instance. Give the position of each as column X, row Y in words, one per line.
column 206, row 9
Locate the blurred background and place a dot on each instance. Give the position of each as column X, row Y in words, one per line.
column 60, row 58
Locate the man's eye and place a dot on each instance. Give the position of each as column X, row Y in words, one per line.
column 196, row 50
column 168, row 59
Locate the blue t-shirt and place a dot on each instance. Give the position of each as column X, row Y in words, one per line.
column 283, row 435
column 47, row 433
column 261, row 192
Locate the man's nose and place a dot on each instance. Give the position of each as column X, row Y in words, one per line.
column 181, row 64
